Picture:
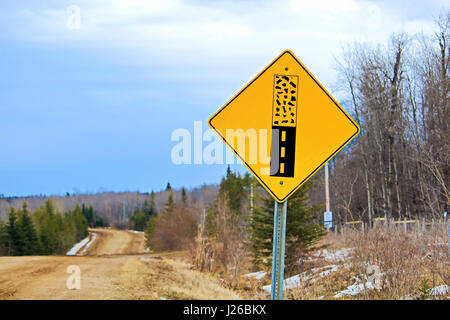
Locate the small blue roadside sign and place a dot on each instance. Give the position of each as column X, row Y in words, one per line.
column 328, row 219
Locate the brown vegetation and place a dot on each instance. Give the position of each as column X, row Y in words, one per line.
column 175, row 230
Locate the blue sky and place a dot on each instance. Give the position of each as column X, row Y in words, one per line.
column 92, row 108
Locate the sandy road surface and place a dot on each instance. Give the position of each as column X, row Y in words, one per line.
column 111, row 241
column 101, row 270
column 113, row 267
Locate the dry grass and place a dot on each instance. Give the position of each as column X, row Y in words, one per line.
column 410, row 261
column 163, row 278
column 410, row 264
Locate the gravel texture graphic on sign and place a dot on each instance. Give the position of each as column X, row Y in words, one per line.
column 284, row 122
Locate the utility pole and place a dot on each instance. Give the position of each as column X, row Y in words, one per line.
column 327, row 189
column 251, row 196
column 327, row 216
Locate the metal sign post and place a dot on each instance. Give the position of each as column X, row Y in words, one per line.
column 279, row 241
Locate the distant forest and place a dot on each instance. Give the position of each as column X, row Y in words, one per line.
column 115, row 208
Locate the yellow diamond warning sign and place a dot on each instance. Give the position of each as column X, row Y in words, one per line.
column 284, row 126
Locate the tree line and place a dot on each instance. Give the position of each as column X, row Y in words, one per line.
column 399, row 166
column 114, row 208
column 45, row 231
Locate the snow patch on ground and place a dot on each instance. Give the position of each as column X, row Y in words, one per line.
column 93, row 238
column 147, row 259
column 77, row 246
column 134, row 231
column 334, row 255
column 256, row 275
column 355, row 289
column 83, row 244
column 436, row 291
column 442, row 289
column 310, row 275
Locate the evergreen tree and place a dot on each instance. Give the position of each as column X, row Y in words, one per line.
column 168, row 187
column 225, row 221
column 154, row 217
column 149, row 208
column 92, row 215
column 169, row 205
column 88, row 212
column 210, row 223
column 78, row 223
column 152, row 204
column 232, row 186
column 3, row 238
column 12, row 234
column 46, row 231
column 99, row 222
column 183, row 196
column 48, row 235
column 93, row 220
column 139, row 220
column 150, row 230
column 28, row 239
column 302, row 233
column 64, row 236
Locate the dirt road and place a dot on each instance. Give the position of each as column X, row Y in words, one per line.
column 110, row 241
column 114, row 267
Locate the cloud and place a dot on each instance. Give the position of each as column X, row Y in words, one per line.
column 191, row 38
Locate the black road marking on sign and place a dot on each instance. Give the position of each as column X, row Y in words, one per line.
column 282, row 150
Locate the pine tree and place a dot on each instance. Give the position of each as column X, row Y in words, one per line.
column 149, row 208
column 168, row 187
column 3, row 238
column 302, row 233
column 232, row 187
column 183, row 196
column 12, row 234
column 48, row 235
column 99, row 222
column 46, row 231
column 78, row 223
column 153, row 218
column 88, row 212
column 153, row 210
column 149, row 231
column 28, row 239
column 211, row 223
column 169, row 205
column 139, row 220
